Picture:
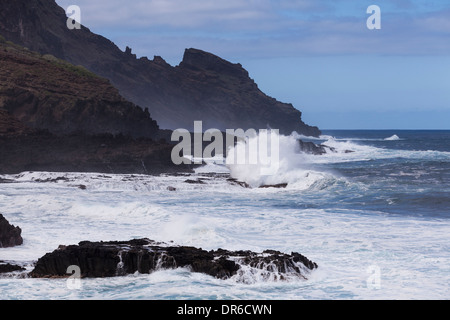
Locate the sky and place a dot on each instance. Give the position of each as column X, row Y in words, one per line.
column 318, row 55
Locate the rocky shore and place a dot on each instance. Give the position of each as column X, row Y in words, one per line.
column 144, row 256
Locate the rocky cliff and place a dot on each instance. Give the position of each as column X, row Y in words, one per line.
column 202, row 87
column 55, row 116
column 44, row 92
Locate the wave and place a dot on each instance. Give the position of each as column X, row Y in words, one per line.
column 328, row 137
column 286, row 165
column 393, row 138
column 300, row 170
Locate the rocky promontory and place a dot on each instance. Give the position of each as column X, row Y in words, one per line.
column 110, row 259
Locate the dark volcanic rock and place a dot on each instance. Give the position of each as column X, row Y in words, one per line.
column 10, row 235
column 237, row 182
column 311, row 148
column 43, row 92
column 57, row 117
column 83, row 153
column 109, row 259
column 203, row 86
column 279, row 185
column 197, row 181
column 6, row 268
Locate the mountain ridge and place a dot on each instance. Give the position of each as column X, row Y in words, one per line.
column 202, row 87
column 58, row 117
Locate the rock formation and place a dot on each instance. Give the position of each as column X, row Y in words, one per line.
column 311, row 147
column 110, row 259
column 8, row 267
column 202, row 87
column 58, row 117
column 10, row 235
column 43, row 92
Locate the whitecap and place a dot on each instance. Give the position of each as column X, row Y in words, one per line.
column 392, row 138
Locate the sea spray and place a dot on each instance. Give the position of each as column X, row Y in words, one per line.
column 293, row 166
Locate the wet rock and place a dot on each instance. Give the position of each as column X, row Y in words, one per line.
column 10, row 235
column 7, row 268
column 197, row 181
column 280, row 185
column 311, row 148
column 237, row 182
column 109, row 259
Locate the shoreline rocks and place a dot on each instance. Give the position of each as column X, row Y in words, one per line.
column 10, row 235
column 116, row 258
column 8, row 268
column 321, row 149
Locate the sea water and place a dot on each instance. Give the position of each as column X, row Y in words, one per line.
column 376, row 221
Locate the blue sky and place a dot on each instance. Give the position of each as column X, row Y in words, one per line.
column 318, row 55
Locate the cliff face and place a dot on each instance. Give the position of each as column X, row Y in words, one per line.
column 55, row 116
column 203, row 86
column 43, row 92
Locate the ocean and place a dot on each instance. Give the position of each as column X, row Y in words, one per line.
column 374, row 215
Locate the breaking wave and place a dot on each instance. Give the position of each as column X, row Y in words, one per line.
column 287, row 165
column 392, row 138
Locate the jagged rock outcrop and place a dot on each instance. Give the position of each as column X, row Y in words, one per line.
column 110, row 259
column 203, row 86
column 10, row 235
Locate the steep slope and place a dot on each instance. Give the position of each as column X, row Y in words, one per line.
column 58, row 117
column 203, row 87
column 46, row 93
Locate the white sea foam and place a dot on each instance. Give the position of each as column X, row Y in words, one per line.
column 325, row 137
column 291, row 166
column 392, row 138
column 411, row 253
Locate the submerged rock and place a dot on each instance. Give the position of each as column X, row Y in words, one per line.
column 110, row 259
column 198, row 181
column 279, row 186
column 10, row 235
